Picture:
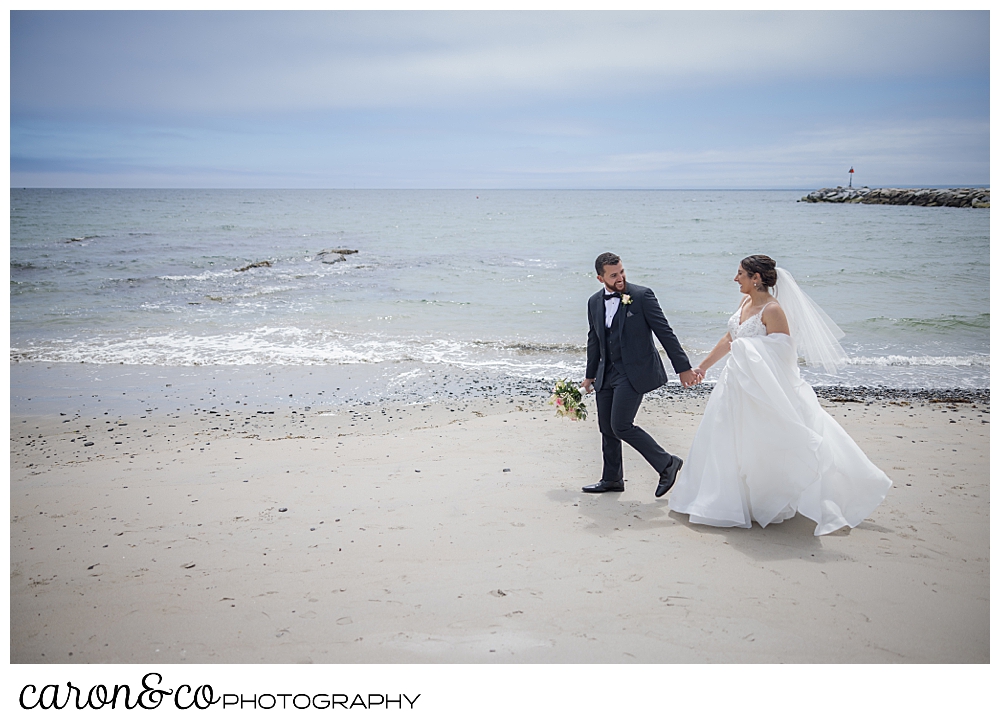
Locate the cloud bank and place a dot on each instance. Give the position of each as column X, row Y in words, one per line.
column 464, row 99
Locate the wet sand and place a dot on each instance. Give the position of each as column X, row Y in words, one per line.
column 456, row 531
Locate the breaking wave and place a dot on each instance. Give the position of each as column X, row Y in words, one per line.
column 294, row 346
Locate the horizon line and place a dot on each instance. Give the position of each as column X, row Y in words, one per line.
column 499, row 188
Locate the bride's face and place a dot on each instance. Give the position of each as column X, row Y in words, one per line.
column 744, row 280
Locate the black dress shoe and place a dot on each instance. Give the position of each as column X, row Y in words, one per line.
column 668, row 476
column 605, row 486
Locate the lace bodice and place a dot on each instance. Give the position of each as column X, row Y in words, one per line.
column 752, row 327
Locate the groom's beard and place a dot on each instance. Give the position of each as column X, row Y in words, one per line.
column 619, row 286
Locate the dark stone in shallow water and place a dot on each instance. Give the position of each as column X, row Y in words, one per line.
column 332, row 256
column 253, row 265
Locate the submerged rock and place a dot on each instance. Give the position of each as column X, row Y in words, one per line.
column 254, row 265
column 332, row 256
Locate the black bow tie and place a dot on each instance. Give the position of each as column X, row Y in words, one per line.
column 612, row 295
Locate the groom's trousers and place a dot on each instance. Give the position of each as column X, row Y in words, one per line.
column 617, row 404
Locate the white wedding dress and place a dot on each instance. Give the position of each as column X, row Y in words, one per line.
column 765, row 448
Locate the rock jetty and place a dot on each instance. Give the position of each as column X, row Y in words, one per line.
column 975, row 198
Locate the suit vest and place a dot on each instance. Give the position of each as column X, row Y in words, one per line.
column 613, row 335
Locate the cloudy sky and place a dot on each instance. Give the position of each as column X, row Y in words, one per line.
column 498, row 100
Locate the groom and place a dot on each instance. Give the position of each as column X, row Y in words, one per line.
column 623, row 365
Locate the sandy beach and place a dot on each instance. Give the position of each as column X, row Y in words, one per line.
column 455, row 531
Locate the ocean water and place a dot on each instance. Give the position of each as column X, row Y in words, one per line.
column 488, row 282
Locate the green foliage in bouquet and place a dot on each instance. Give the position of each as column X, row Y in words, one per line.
column 568, row 400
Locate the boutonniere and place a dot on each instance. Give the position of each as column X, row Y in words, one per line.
column 626, row 299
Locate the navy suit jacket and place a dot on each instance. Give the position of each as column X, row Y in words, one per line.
column 643, row 319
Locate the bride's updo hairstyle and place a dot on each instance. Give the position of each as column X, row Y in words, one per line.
column 763, row 265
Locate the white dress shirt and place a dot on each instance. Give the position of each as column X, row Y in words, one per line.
column 610, row 307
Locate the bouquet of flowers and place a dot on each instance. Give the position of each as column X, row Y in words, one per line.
column 568, row 400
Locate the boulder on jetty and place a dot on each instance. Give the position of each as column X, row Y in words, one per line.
column 966, row 197
column 253, row 265
column 332, row 256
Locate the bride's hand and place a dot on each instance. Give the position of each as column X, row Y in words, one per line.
column 699, row 373
column 688, row 378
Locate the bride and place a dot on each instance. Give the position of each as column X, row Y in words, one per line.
column 765, row 448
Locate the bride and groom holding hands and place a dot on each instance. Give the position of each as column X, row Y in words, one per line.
column 764, row 449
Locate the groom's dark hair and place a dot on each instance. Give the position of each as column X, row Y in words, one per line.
column 605, row 259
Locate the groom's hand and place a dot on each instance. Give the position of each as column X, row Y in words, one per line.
column 588, row 385
column 688, row 378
